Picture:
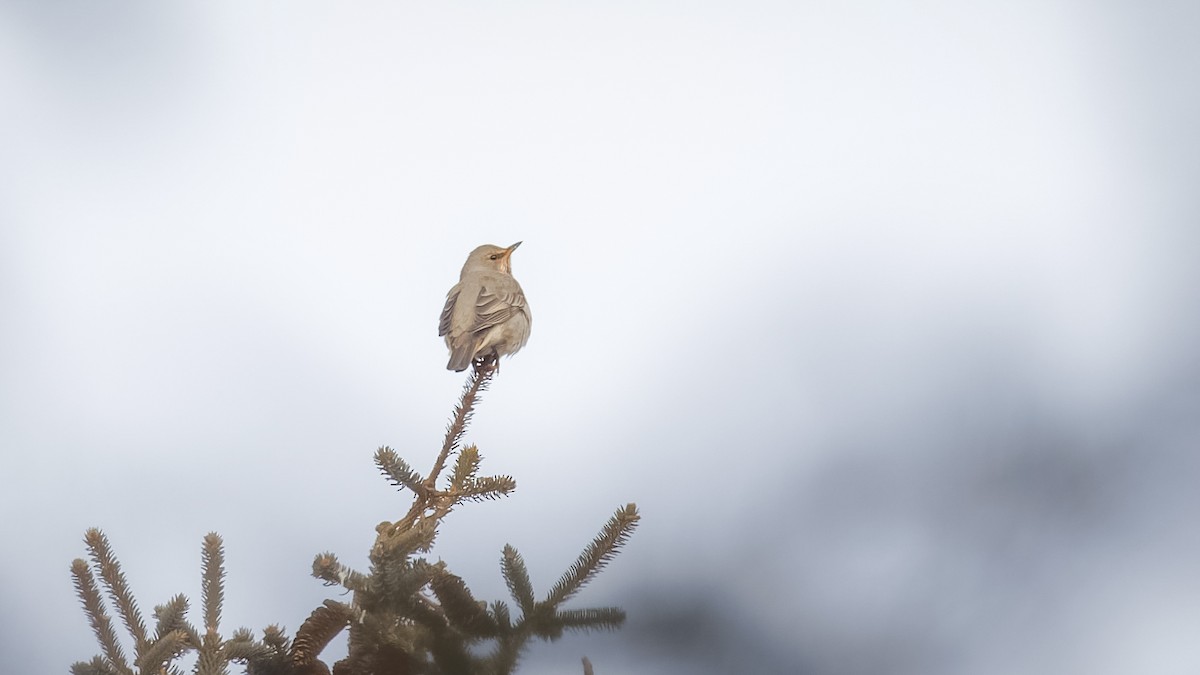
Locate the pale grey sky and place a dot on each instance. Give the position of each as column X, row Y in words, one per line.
column 885, row 316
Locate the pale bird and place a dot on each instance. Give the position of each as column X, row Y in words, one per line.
column 486, row 315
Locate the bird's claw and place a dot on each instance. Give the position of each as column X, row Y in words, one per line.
column 487, row 362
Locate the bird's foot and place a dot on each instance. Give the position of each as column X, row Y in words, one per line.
column 487, row 363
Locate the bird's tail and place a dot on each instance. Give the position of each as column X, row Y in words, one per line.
column 460, row 357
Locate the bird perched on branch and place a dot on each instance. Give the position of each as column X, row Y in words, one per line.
column 486, row 315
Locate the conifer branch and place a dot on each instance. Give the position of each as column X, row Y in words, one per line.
column 477, row 382
column 461, row 608
column 502, row 616
column 450, row 655
column 597, row 618
column 327, row 568
column 507, row 652
column 160, row 652
column 488, row 487
column 169, row 617
column 398, row 471
column 318, row 630
column 241, row 646
column 212, row 586
column 274, row 637
column 97, row 666
column 426, row 619
column 415, row 533
column 271, row 656
column 93, row 606
column 118, row 588
column 516, row 577
column 596, row 556
column 194, row 640
column 465, row 468
column 371, row 655
column 211, row 659
column 401, row 582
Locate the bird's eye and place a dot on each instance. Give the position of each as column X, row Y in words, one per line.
column 493, row 256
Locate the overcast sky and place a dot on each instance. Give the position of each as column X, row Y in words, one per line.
column 885, row 315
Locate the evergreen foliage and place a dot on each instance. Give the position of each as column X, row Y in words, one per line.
column 406, row 615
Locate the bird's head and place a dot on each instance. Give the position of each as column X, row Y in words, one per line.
column 491, row 257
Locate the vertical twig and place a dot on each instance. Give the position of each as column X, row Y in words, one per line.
column 477, row 382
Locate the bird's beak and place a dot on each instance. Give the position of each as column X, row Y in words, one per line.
column 512, row 248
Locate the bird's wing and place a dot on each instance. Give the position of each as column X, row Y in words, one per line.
column 448, row 310
column 497, row 303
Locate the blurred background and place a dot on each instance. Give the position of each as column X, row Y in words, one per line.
column 884, row 315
